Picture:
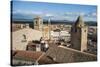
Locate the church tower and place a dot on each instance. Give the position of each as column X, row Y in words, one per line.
column 38, row 23
column 79, row 35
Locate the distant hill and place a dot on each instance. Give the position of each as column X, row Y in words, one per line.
column 90, row 23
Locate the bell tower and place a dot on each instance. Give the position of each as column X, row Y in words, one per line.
column 38, row 23
column 79, row 35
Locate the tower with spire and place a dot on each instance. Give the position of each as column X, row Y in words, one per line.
column 79, row 35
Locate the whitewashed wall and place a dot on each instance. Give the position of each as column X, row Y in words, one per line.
column 17, row 38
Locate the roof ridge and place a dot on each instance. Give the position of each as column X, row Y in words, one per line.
column 77, row 51
column 40, row 57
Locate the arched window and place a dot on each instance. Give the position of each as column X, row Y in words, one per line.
column 24, row 36
column 84, row 30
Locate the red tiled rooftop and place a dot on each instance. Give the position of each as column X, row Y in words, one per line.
column 46, row 60
column 29, row 55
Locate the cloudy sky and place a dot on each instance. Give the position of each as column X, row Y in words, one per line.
column 29, row 10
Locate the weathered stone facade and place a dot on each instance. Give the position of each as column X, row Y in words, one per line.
column 79, row 35
column 45, row 29
column 38, row 23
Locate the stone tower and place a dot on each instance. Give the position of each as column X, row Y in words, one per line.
column 38, row 23
column 79, row 35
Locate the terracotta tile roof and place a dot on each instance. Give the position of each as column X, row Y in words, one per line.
column 68, row 55
column 46, row 60
column 27, row 55
column 14, row 53
column 32, row 44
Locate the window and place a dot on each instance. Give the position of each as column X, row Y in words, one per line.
column 84, row 30
column 41, row 22
column 36, row 22
column 75, row 30
column 24, row 38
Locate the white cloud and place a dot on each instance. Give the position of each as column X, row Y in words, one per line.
column 26, row 12
column 74, row 13
column 16, row 11
column 58, row 16
column 94, row 14
column 49, row 15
